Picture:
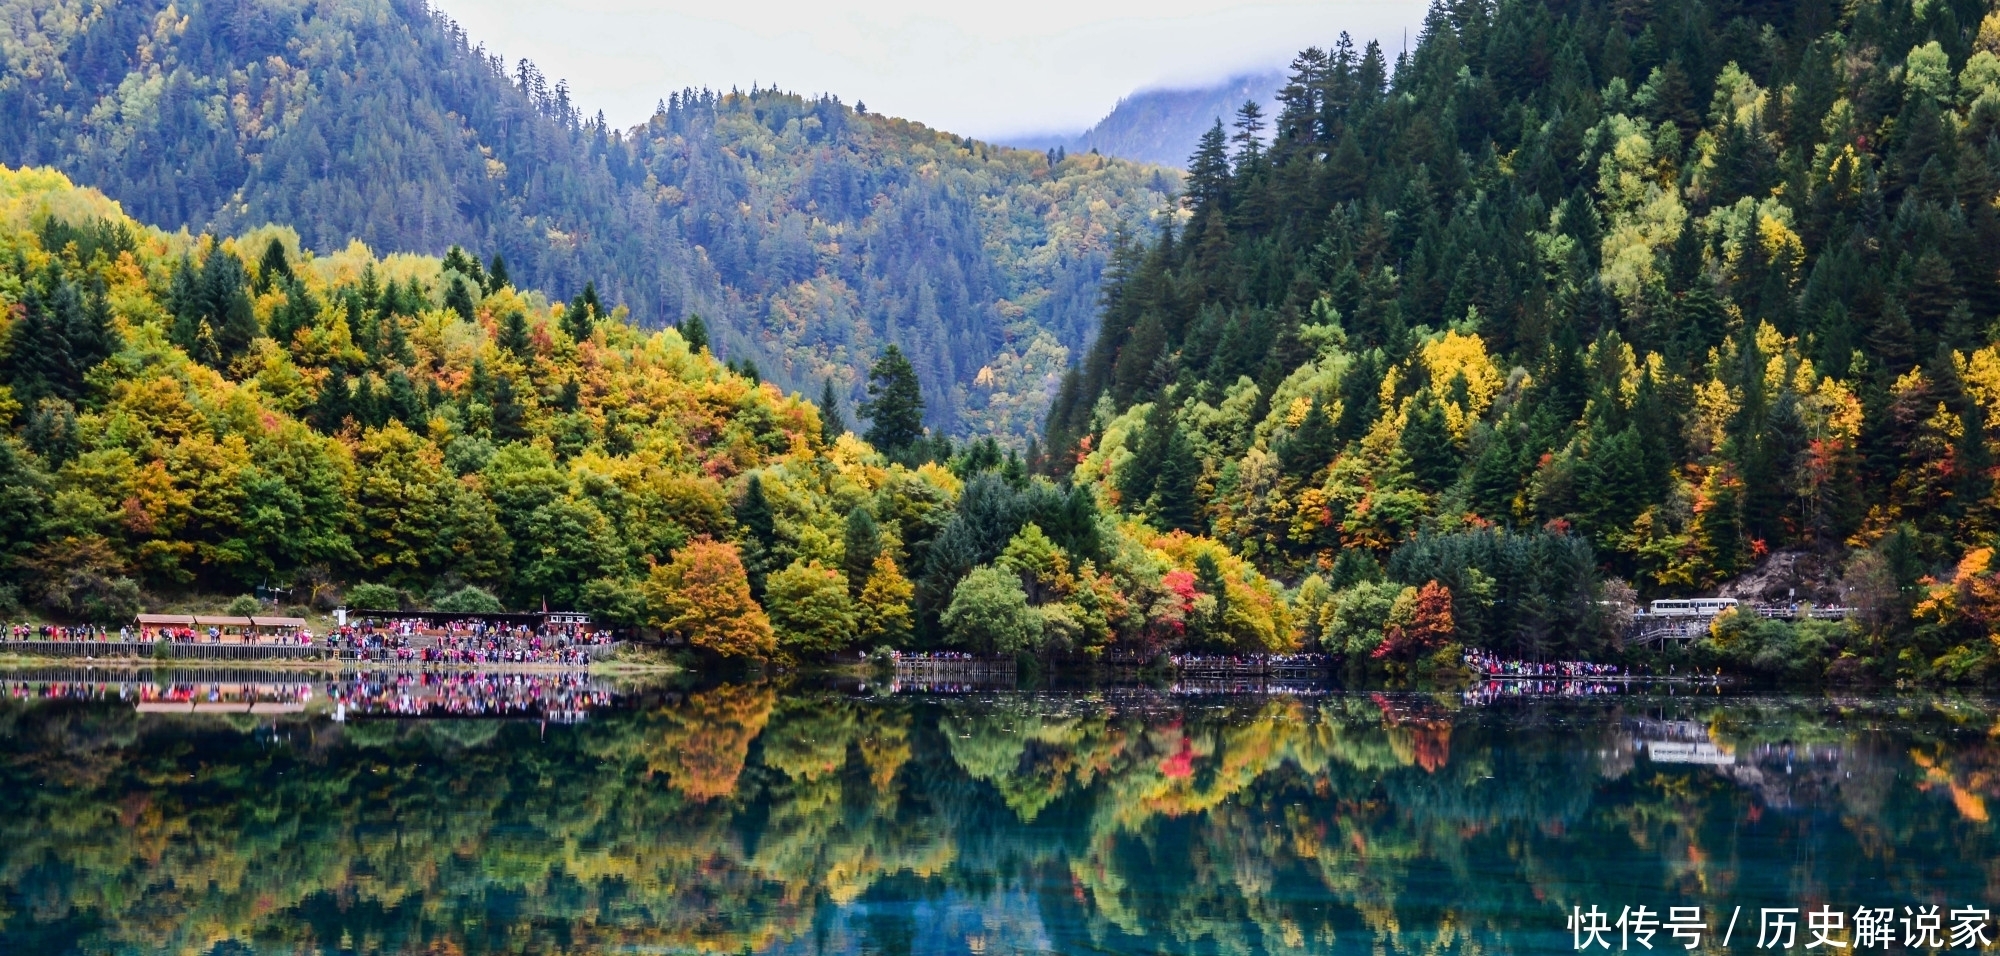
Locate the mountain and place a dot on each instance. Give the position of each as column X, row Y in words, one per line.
column 807, row 233
column 1161, row 127
column 1684, row 285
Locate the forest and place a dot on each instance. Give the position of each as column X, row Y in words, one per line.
column 1665, row 291
column 184, row 415
column 1568, row 307
column 806, row 231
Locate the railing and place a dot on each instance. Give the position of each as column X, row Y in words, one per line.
column 1792, row 612
column 1237, row 668
column 954, row 666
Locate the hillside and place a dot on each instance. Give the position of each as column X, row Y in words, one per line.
column 1163, row 126
column 192, row 415
column 1683, row 283
column 805, row 232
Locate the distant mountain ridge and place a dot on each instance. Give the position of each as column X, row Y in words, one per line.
column 1163, row 126
column 808, row 234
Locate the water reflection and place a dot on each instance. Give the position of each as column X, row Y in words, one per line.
column 746, row 818
column 566, row 696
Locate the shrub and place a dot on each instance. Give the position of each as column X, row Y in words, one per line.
column 470, row 600
column 244, row 606
column 374, row 597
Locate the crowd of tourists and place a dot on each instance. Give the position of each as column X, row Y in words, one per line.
column 149, row 634
column 1248, row 661
column 935, row 657
column 466, row 642
column 1492, row 665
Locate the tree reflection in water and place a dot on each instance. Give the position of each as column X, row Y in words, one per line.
column 749, row 818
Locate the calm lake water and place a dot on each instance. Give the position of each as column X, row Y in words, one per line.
column 509, row 815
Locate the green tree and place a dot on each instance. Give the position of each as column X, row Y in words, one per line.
column 513, row 337
column 469, row 599
column 861, row 544
column 895, row 405
column 760, row 533
column 831, row 425
column 1427, row 441
column 695, row 332
column 374, row 597
column 989, row 613
column 810, row 609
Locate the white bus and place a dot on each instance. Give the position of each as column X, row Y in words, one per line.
column 1691, row 607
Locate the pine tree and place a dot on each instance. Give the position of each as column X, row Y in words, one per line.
column 1208, row 580
column 273, row 269
column 831, row 427
column 1427, row 442
column 695, row 332
column 507, row 411
column 895, row 405
column 333, row 405
column 1208, row 174
column 581, row 316
column 496, row 277
column 861, row 545
column 514, row 334
column 1360, row 405
column 1176, row 502
column 1311, row 446
column 458, row 297
column 760, row 533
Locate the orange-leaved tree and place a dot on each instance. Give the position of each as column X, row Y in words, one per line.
column 1419, row 623
column 703, row 597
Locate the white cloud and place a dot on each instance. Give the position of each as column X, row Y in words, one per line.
column 988, row 69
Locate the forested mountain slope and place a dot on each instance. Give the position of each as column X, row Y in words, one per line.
column 806, row 232
column 1692, row 281
column 186, row 414
column 1162, row 126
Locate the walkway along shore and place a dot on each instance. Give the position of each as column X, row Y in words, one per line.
column 175, row 653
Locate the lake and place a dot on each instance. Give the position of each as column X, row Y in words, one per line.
column 386, row 813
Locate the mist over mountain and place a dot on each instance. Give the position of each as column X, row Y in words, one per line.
column 1164, row 126
column 807, row 232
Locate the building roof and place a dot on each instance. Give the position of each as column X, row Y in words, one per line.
column 220, row 620
column 261, row 621
column 184, row 620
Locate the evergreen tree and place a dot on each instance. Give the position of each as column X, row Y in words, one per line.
column 496, row 277
column 760, row 534
column 274, row 269
column 580, row 318
column 513, row 338
column 695, row 331
column 1176, row 501
column 831, row 427
column 458, row 297
column 1311, row 446
column 862, row 544
column 1208, row 174
column 1428, row 444
column 895, row 405
column 507, row 411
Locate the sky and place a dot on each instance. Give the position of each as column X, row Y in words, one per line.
column 986, row 68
